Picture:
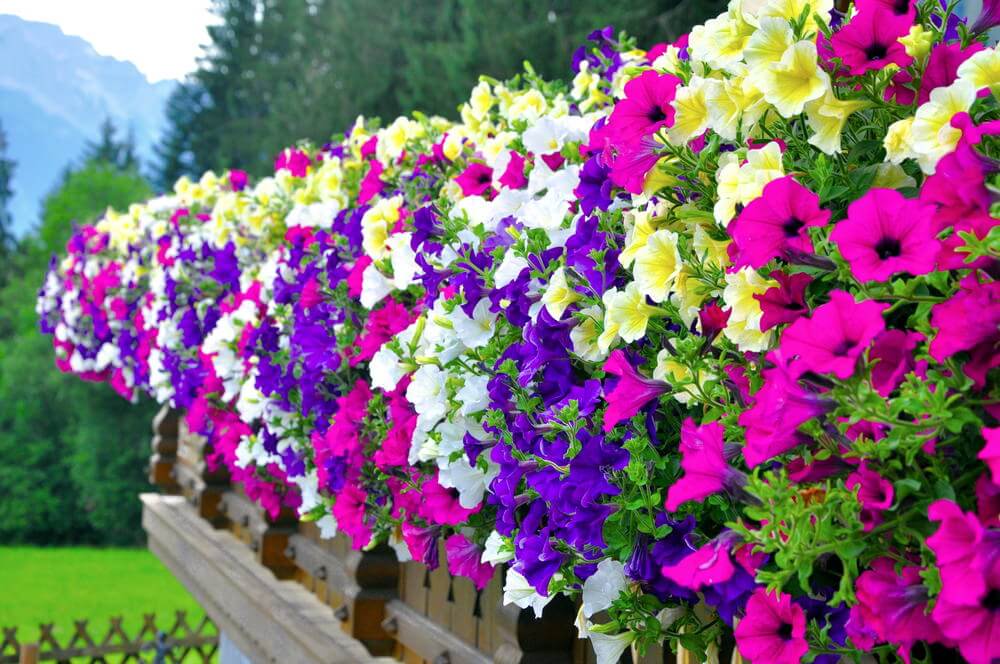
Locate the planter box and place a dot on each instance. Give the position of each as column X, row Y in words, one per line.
column 269, row 583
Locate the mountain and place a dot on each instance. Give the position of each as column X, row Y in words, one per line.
column 55, row 90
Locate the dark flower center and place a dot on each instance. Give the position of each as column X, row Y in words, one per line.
column 785, row 632
column 900, row 7
column 876, row 51
column 792, row 227
column 844, row 347
column 888, row 247
column 656, row 115
column 992, row 600
column 485, row 178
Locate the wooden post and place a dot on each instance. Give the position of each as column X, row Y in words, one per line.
column 29, row 653
column 164, row 446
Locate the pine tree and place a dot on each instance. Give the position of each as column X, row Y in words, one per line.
column 175, row 153
column 108, row 149
column 6, row 194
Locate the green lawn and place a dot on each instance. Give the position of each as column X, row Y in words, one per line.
column 60, row 585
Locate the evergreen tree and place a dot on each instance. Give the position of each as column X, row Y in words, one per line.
column 6, row 193
column 108, row 149
column 175, row 155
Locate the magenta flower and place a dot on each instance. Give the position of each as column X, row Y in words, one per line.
column 349, row 511
column 476, row 179
column 713, row 321
column 897, row 7
column 441, row 505
column 786, row 302
column 942, row 66
column 773, row 630
column 835, row 336
column 294, row 161
column 886, row 233
column 969, row 321
column 237, row 180
column 774, row 224
column 893, row 350
column 422, row 543
column 894, row 605
column 372, row 184
column 779, row 408
column 464, row 560
column 875, row 493
column 708, row 566
column 633, row 162
column 704, row 463
column 869, row 41
column 989, row 17
column 513, row 177
column 990, row 454
column 631, row 392
column 956, row 546
column 646, row 108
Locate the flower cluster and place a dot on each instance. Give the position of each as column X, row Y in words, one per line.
column 706, row 337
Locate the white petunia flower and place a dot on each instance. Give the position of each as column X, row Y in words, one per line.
column 603, row 587
column 519, row 592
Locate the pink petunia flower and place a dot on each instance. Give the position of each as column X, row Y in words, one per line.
column 870, row 41
column 893, row 350
column 513, row 177
column 292, row 160
column 632, row 164
column 422, row 543
column 464, row 560
column 893, row 605
column 349, row 511
column 646, row 108
column 786, row 302
column 372, row 184
column 237, row 180
column 631, row 393
column 441, row 505
column 942, row 66
column 704, row 463
column 475, row 180
column 707, row 566
column 956, row 545
column 780, row 407
column 990, row 454
column 774, row 224
column 969, row 321
column 897, row 7
column 773, row 630
column 885, row 234
column 875, row 494
column 835, row 336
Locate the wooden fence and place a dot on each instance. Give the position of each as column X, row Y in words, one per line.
column 180, row 642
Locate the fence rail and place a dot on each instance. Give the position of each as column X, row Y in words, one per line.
column 181, row 642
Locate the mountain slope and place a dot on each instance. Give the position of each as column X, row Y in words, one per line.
column 54, row 92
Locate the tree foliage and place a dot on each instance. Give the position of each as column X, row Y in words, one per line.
column 281, row 70
column 73, row 457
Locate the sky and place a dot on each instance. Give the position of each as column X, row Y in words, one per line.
column 161, row 37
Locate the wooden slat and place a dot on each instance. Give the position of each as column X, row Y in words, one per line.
column 268, row 620
column 428, row 639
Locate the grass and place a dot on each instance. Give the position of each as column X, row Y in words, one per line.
column 60, row 585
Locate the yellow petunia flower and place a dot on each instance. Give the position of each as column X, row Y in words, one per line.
column 932, row 135
column 559, row 294
column 629, row 312
column 982, row 70
column 690, row 112
column 743, row 327
column 656, row 265
column 827, row 117
column 795, row 81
